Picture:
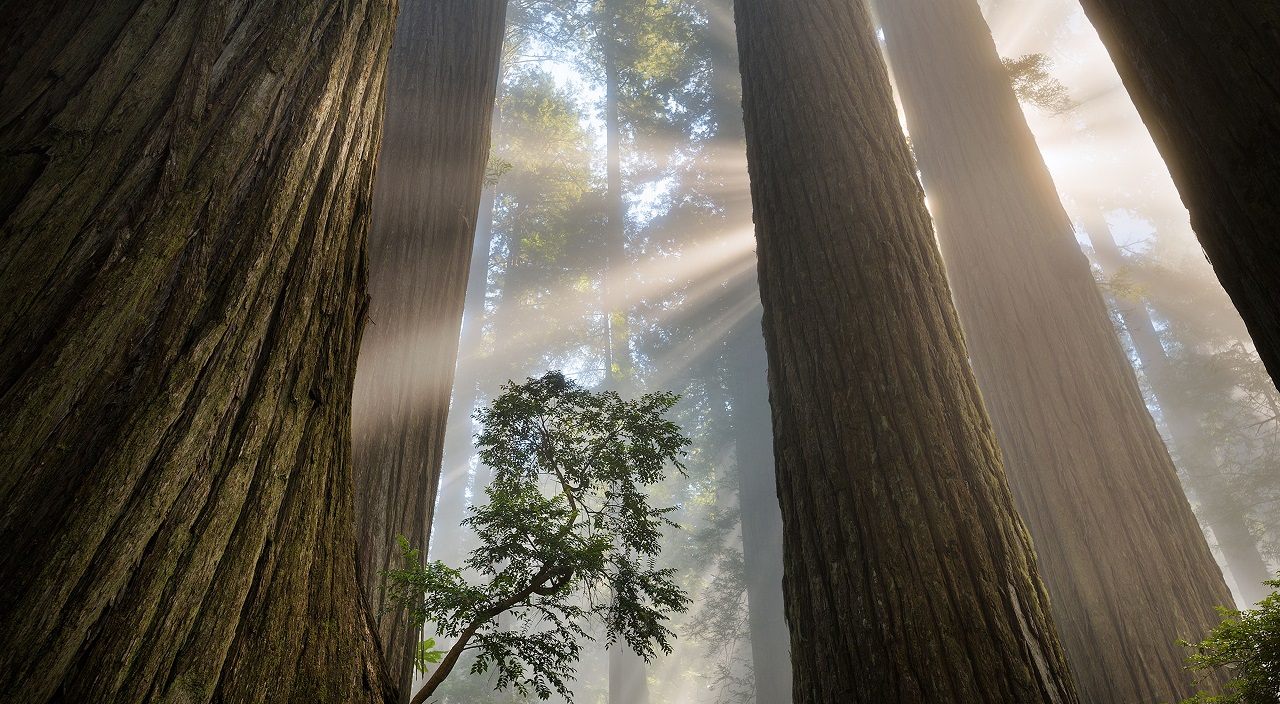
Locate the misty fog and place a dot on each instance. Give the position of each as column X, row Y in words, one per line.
column 673, row 304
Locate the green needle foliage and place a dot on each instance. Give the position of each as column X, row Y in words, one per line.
column 567, row 536
column 1247, row 643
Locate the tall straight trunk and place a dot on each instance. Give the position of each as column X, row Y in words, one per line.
column 746, row 374
column 447, row 545
column 1220, row 508
column 1126, row 565
column 617, row 349
column 186, row 199
column 908, row 575
column 444, row 73
column 761, row 516
column 628, row 681
column 1205, row 77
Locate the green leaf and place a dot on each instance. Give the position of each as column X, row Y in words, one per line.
column 427, row 655
column 567, row 517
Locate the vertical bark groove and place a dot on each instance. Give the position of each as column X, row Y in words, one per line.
column 443, row 74
column 183, row 294
column 908, row 575
column 1121, row 553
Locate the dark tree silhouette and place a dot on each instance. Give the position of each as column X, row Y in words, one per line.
column 1204, row 78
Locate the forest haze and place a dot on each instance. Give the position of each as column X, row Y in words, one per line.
column 965, row 307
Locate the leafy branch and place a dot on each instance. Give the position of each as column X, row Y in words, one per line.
column 567, row 517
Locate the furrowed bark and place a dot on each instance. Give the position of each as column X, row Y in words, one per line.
column 1126, row 565
column 183, row 270
column 1205, row 77
column 908, row 575
column 441, row 85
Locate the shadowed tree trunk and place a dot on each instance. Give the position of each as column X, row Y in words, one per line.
column 444, row 72
column 1127, row 568
column 1206, row 79
column 746, row 372
column 908, row 575
column 1220, row 508
column 186, row 197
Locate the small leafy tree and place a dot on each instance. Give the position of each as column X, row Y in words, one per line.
column 567, row 536
column 1247, row 643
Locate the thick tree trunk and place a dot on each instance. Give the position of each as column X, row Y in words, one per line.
column 1220, row 508
column 186, row 198
column 1126, row 565
column 909, row 577
column 1204, row 77
column 443, row 74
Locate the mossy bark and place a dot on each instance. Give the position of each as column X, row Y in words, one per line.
column 908, row 575
column 1203, row 76
column 1127, row 567
column 441, row 84
column 182, row 260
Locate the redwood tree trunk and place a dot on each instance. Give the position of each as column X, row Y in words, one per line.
column 758, row 507
column 447, row 536
column 746, row 373
column 443, row 73
column 909, row 577
column 1220, row 508
column 1206, row 79
column 628, row 679
column 1127, row 568
column 182, row 257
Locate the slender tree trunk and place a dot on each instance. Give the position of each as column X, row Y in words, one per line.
column 628, row 681
column 761, row 516
column 1126, row 565
column 443, row 72
column 746, row 373
column 1220, row 508
column 1204, row 77
column 447, row 545
column 909, row 577
column 617, row 349
column 186, row 197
